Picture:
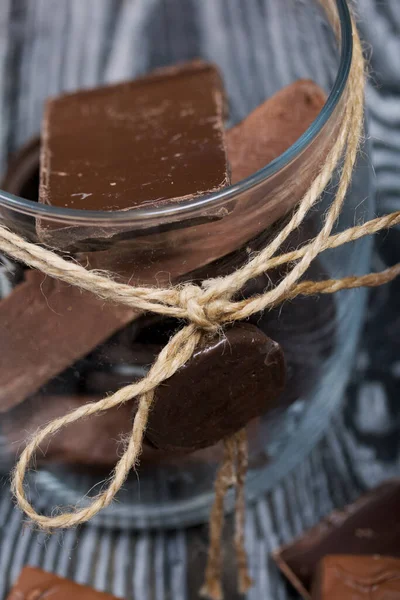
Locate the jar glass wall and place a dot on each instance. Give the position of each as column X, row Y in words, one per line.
column 206, row 237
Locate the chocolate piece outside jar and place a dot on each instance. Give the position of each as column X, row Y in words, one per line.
column 347, row 577
column 35, row 584
column 370, row 525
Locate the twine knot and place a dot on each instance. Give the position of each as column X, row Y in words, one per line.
column 204, row 313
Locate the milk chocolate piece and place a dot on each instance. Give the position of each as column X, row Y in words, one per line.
column 227, row 382
column 148, row 142
column 93, row 442
column 45, row 326
column 35, row 584
column 346, row 577
column 273, row 127
column 369, row 526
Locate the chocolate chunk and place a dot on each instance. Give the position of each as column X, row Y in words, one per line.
column 35, row 584
column 45, row 326
column 149, row 142
column 273, row 127
column 369, row 526
column 357, row 578
column 228, row 382
column 93, row 442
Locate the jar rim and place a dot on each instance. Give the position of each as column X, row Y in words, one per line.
column 181, row 210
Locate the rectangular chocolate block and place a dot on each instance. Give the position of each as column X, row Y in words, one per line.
column 357, row 578
column 149, row 142
column 35, row 584
column 371, row 525
column 45, row 326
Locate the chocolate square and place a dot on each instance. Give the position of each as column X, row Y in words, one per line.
column 371, row 525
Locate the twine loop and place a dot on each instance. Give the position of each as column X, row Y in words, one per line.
column 204, row 314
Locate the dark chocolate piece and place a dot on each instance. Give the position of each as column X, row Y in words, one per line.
column 45, row 326
column 273, row 127
column 357, row 578
column 226, row 384
column 148, row 142
column 35, row 584
column 369, row 526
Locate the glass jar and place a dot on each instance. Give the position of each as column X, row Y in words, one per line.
column 206, row 237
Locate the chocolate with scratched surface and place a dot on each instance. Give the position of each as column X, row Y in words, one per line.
column 159, row 139
column 35, row 584
column 347, row 577
column 371, row 525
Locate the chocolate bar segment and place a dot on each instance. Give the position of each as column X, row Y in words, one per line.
column 273, row 127
column 45, row 326
column 357, row 578
column 369, row 526
column 35, row 584
column 141, row 143
column 93, row 442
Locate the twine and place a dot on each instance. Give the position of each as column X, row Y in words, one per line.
column 207, row 308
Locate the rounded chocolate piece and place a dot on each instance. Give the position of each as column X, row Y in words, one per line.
column 227, row 383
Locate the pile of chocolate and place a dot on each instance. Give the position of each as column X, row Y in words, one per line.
column 154, row 143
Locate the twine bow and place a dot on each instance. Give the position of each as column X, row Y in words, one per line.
column 206, row 309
